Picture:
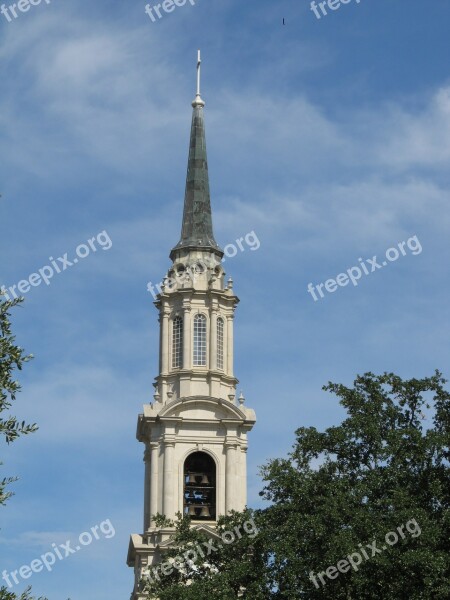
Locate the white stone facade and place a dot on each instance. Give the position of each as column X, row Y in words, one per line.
column 195, row 407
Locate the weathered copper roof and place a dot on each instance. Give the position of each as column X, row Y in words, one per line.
column 197, row 229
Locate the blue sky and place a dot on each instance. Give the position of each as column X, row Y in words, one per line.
column 329, row 138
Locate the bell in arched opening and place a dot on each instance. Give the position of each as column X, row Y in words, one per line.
column 200, row 486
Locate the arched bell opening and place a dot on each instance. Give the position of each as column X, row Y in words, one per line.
column 200, row 487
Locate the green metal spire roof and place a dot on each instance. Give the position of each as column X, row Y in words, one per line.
column 197, row 229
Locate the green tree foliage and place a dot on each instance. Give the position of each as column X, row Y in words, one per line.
column 231, row 567
column 385, row 467
column 386, row 464
column 12, row 358
column 5, row 595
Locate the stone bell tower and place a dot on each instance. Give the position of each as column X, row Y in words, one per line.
column 195, row 431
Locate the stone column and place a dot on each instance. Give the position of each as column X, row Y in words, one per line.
column 169, row 447
column 165, row 342
column 213, row 340
column 154, row 480
column 160, row 340
column 230, row 345
column 187, row 353
column 243, row 477
column 147, row 489
column 230, row 484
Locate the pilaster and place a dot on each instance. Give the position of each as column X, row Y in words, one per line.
column 213, row 336
column 230, row 476
column 147, row 484
column 154, row 448
column 165, row 341
column 187, row 335
column 230, row 345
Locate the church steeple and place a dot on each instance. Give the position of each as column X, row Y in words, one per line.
column 195, row 428
column 197, row 229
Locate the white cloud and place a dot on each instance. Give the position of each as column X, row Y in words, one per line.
column 409, row 140
column 99, row 100
column 76, row 402
column 38, row 539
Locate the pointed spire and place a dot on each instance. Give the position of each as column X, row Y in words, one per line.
column 197, row 230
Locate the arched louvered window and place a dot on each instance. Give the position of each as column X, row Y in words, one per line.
column 177, row 343
column 200, row 341
column 220, row 343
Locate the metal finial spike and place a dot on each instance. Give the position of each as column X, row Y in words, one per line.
column 199, row 62
column 198, row 100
